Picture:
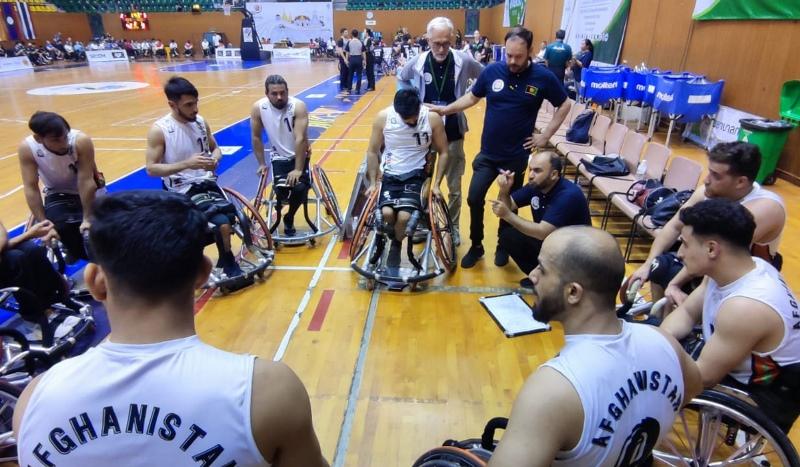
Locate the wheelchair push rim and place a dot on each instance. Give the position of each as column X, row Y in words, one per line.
column 323, row 184
column 442, row 231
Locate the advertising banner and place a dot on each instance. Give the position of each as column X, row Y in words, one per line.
column 746, row 9
column 296, row 21
column 601, row 21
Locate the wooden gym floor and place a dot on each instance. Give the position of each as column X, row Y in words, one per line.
column 389, row 374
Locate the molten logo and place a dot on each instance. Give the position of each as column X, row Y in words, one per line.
column 664, row 97
column 610, row 85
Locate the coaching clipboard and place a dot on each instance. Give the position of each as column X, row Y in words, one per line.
column 512, row 314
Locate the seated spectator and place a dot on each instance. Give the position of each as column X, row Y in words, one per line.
column 554, row 202
column 748, row 313
column 188, row 48
column 173, row 48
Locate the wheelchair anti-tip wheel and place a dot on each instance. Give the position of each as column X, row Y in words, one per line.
column 718, row 429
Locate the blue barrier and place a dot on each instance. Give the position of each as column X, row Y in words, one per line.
column 602, row 84
column 687, row 98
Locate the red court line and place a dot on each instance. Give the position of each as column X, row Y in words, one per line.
column 344, row 253
column 204, row 298
column 321, row 311
column 349, row 127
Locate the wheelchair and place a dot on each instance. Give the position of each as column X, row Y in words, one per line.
column 324, row 218
column 251, row 244
column 431, row 226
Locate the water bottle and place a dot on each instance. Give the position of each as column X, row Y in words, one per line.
column 641, row 170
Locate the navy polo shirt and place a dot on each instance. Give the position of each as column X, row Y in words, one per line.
column 512, row 104
column 565, row 204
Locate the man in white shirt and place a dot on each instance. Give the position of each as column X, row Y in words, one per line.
column 154, row 393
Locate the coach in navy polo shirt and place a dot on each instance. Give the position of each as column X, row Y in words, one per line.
column 514, row 91
column 555, row 202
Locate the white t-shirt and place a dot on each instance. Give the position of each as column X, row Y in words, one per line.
column 766, row 285
column 406, row 147
column 174, row 403
column 279, row 125
column 631, row 389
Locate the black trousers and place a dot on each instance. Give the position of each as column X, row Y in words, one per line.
column 484, row 172
column 297, row 195
column 524, row 250
column 344, row 73
column 26, row 266
column 66, row 213
column 356, row 65
column 370, row 72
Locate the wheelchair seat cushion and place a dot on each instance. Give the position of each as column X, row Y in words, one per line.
column 209, row 198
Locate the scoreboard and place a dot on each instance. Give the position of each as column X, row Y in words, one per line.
column 134, row 21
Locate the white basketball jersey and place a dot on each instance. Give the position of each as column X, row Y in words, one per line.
column 764, row 284
column 59, row 174
column 174, row 403
column 181, row 141
column 631, row 388
column 757, row 193
column 279, row 125
column 406, row 147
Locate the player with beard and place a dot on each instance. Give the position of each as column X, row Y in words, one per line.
column 63, row 159
column 614, row 388
column 514, row 92
column 285, row 120
column 554, row 201
column 182, row 151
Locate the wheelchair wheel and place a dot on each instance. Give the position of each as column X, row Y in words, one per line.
column 258, row 231
column 365, row 225
column 449, row 456
column 442, row 230
column 717, row 429
column 9, row 394
column 328, row 196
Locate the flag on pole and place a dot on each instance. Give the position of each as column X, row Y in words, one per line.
column 10, row 20
column 25, row 20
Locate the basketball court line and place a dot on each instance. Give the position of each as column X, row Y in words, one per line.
column 355, row 385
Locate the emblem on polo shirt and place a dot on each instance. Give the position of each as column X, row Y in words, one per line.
column 428, row 78
column 497, row 85
column 535, row 202
column 532, row 90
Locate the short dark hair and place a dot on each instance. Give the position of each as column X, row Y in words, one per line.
column 520, row 33
column 721, row 218
column 561, row 34
column 556, row 162
column 275, row 79
column 589, row 44
column 48, row 124
column 407, row 103
column 354, row 32
column 177, row 87
column 599, row 272
column 149, row 242
column 744, row 159
column 342, row 30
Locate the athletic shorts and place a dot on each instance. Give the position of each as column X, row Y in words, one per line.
column 281, row 169
column 402, row 193
column 207, row 196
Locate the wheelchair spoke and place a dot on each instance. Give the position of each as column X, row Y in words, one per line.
column 707, row 435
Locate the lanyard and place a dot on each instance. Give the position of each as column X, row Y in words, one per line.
column 439, row 88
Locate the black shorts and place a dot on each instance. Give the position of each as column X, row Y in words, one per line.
column 402, row 193
column 209, row 198
column 65, row 211
column 281, row 169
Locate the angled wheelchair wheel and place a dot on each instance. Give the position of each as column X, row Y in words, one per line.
column 328, row 196
column 9, row 394
column 365, row 225
column 717, row 429
column 257, row 233
column 442, row 230
column 449, row 456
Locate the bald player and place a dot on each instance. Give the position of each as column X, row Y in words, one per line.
column 614, row 388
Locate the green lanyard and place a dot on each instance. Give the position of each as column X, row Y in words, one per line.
column 436, row 85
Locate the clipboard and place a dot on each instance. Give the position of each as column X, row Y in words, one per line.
column 512, row 314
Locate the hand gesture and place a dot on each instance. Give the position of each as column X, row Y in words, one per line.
column 675, row 296
column 500, row 209
column 505, row 180
column 438, row 109
column 293, row 177
column 201, row 161
column 538, row 140
column 44, row 230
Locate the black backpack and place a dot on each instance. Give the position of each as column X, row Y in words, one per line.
column 579, row 131
column 665, row 208
column 606, row 166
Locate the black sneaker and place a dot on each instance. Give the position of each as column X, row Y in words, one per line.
column 473, row 255
column 289, row 230
column 394, row 258
column 500, row 258
column 526, row 283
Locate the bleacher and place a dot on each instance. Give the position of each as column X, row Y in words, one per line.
column 420, row 4
column 150, row 6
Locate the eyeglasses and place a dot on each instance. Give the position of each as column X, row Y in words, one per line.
column 441, row 45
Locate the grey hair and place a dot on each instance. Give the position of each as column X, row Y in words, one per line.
column 440, row 22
